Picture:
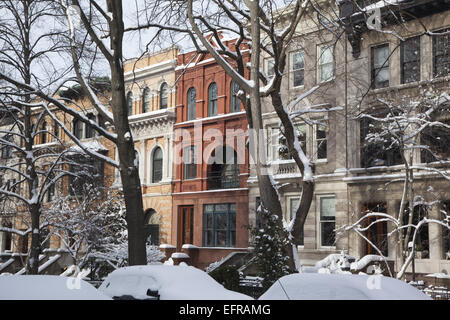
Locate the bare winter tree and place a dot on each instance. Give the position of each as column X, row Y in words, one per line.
column 267, row 30
column 97, row 22
column 31, row 171
column 415, row 130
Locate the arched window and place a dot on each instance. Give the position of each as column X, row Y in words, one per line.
column 130, row 103
column 55, row 131
column 44, row 132
column 157, row 165
column 101, row 121
column 77, row 128
column 151, row 226
column 164, row 93
column 235, row 103
column 146, row 101
column 212, row 100
column 89, row 131
column 191, row 100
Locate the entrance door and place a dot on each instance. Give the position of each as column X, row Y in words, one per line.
column 185, row 226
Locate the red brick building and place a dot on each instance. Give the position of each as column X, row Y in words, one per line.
column 211, row 167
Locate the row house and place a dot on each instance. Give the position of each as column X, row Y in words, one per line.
column 210, row 195
column 150, row 84
column 382, row 67
column 351, row 177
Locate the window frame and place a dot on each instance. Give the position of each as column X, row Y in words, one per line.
column 289, row 210
column 191, row 105
column 213, row 97
column 292, row 70
column 230, row 228
column 269, row 72
column 130, row 103
column 403, row 63
column 78, row 128
column 434, row 40
column 164, row 89
column 158, row 148
column 89, row 131
column 374, row 72
column 7, row 150
column 146, row 100
column 191, row 166
column 320, row 221
column 316, row 142
column 235, row 103
column 320, row 65
column 44, row 133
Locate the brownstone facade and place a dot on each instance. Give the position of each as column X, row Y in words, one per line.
column 210, row 200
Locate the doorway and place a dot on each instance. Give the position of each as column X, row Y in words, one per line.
column 185, row 226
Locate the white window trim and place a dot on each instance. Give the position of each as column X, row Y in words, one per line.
column 318, row 223
column 291, row 69
column 319, row 47
column 266, row 66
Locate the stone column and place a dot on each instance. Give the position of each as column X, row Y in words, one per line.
column 355, row 241
column 166, row 158
column 170, row 157
column 142, row 157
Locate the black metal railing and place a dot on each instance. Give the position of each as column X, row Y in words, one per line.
column 225, row 179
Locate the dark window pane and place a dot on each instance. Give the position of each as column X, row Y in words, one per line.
column 327, row 233
column 298, row 78
column 130, row 103
column 441, row 54
column 146, row 102
column 235, row 103
column 410, row 60
column 157, row 165
column 191, row 110
column 212, row 99
column 163, row 96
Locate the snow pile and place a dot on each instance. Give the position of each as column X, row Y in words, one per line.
column 47, row 288
column 316, row 286
column 171, row 282
column 364, row 261
column 334, row 263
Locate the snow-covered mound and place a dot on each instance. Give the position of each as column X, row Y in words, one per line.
column 316, row 286
column 45, row 287
column 170, row 282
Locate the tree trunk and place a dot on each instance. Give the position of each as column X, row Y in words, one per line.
column 268, row 192
column 129, row 172
column 35, row 249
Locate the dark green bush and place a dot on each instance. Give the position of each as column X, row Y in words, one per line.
column 228, row 276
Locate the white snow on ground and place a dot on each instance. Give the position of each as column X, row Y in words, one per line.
column 172, row 283
column 47, row 288
column 316, row 286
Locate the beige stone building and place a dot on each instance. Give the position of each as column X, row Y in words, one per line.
column 347, row 184
column 150, row 86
